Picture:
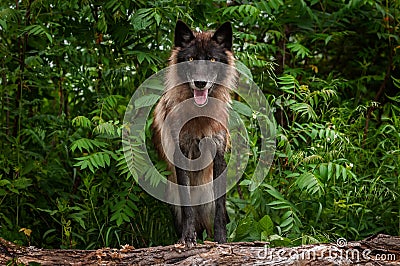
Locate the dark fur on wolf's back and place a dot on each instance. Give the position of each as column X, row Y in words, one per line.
column 214, row 46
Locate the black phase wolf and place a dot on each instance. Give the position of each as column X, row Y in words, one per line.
column 191, row 123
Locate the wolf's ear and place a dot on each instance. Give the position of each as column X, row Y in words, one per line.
column 183, row 34
column 223, row 35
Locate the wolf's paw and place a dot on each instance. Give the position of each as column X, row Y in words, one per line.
column 220, row 236
column 188, row 239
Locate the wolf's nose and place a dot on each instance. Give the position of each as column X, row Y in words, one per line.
column 200, row 84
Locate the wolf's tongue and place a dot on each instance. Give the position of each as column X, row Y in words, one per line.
column 200, row 96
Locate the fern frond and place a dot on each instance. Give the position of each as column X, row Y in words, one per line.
column 315, row 158
column 107, row 128
column 310, row 183
column 87, row 144
column 82, row 121
column 94, row 161
column 304, row 109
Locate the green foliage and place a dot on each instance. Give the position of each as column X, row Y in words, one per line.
column 69, row 68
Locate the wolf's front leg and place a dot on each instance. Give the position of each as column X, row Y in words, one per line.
column 188, row 237
column 220, row 218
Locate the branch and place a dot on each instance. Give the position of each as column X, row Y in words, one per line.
column 376, row 250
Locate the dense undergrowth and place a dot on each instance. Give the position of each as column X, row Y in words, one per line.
column 330, row 70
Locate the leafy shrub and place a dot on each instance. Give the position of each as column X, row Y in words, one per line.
column 67, row 71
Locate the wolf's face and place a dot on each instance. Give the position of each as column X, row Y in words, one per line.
column 203, row 49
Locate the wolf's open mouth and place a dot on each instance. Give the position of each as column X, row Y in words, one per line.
column 201, row 88
column 200, row 96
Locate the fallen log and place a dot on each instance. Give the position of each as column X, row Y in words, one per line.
column 376, row 250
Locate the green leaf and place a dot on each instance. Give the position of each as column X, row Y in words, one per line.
column 38, row 30
column 266, row 224
column 287, row 222
column 81, row 121
column 3, row 24
column 146, row 100
column 22, row 183
column 241, row 108
column 310, row 183
column 300, row 50
column 87, row 144
column 304, row 109
column 273, row 192
column 4, row 182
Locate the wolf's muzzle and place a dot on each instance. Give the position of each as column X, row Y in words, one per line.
column 200, row 84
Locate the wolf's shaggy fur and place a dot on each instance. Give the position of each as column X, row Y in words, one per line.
column 198, row 46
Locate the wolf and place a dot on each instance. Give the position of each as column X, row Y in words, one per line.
column 195, row 88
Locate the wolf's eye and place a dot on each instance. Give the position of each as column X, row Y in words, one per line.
column 212, row 59
column 190, row 58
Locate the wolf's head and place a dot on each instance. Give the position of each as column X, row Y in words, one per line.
column 204, row 49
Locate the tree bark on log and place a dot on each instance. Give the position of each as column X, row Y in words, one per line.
column 375, row 250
